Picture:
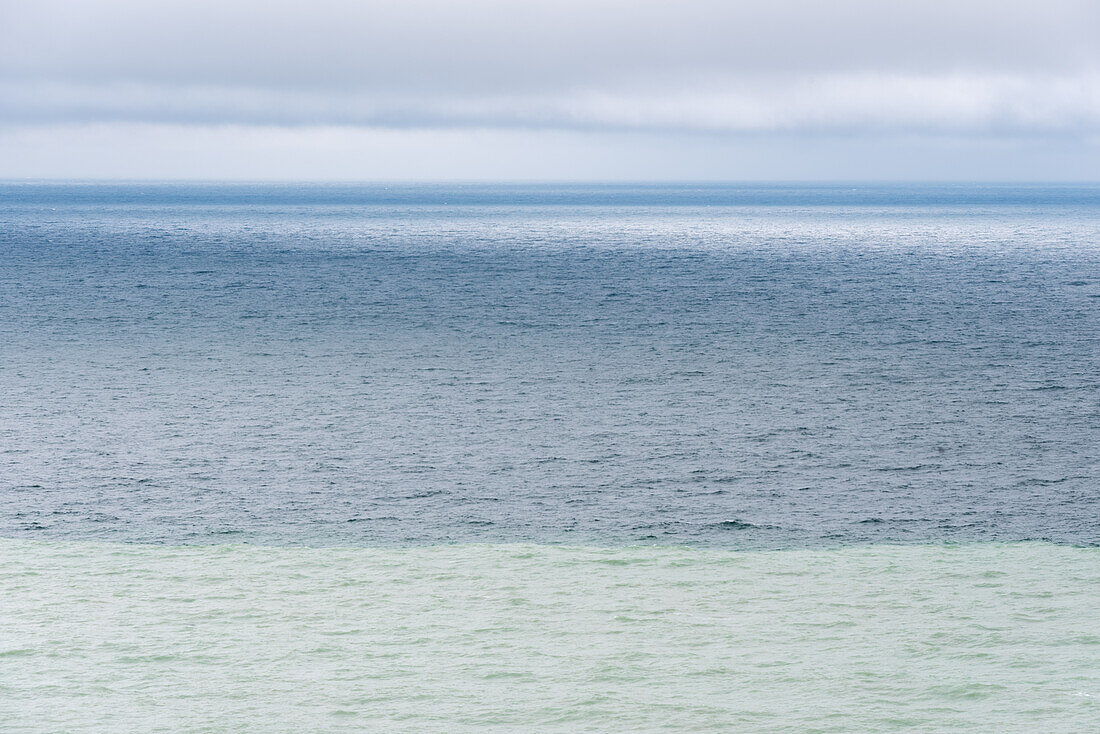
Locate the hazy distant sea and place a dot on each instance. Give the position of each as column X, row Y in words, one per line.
column 549, row 457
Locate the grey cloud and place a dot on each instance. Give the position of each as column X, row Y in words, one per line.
column 509, row 44
column 695, row 65
column 836, row 103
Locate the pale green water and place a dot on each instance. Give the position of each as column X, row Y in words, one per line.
column 988, row 637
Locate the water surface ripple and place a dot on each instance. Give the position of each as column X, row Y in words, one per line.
column 123, row 638
column 749, row 367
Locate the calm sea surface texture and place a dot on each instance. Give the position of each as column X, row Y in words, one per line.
column 518, row 638
column 549, row 458
column 736, row 367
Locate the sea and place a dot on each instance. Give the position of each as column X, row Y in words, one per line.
column 549, row 457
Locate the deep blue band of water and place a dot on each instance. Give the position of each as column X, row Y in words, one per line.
column 732, row 366
column 947, row 195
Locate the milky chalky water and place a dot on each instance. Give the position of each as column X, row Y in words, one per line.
column 124, row 638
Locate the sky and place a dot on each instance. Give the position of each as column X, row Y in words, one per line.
column 541, row 90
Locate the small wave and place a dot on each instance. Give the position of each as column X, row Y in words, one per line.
column 743, row 525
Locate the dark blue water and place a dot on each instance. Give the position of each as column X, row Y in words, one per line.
column 760, row 366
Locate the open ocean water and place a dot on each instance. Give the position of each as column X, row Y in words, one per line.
column 469, row 457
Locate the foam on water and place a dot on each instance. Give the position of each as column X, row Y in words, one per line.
column 123, row 638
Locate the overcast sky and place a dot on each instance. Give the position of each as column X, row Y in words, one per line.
column 599, row 89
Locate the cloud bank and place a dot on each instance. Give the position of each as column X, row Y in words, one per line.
column 792, row 69
column 838, row 103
